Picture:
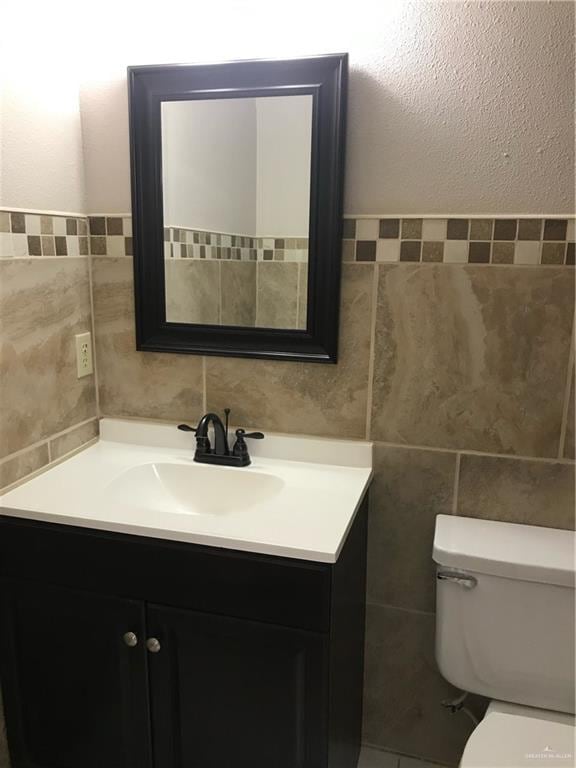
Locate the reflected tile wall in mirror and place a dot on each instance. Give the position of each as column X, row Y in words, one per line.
column 236, row 188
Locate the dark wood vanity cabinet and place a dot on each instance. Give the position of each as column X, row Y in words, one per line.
column 234, row 660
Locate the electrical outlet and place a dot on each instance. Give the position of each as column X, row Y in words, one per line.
column 84, row 365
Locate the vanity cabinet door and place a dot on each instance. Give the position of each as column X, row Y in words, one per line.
column 75, row 688
column 230, row 693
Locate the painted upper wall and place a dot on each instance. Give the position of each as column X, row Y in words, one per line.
column 209, row 165
column 459, row 107
column 41, row 164
column 284, row 155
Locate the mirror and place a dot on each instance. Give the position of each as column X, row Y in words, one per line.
column 237, row 178
column 236, row 205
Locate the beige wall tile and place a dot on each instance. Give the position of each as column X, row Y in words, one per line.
column 24, row 464
column 140, row 384
column 403, row 690
column 43, row 304
column 410, row 488
column 569, row 437
column 277, row 295
column 238, row 281
column 472, row 358
column 517, row 491
column 62, row 445
column 305, row 397
column 192, row 291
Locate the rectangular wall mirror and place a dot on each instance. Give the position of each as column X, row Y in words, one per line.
column 237, row 192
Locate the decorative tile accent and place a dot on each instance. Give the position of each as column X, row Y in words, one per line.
column 505, row 229
column 366, row 250
column 348, row 229
column 555, row 229
column 410, row 250
column 33, row 235
column 457, row 229
column 529, row 229
column 460, row 241
column 434, row 229
column 180, row 243
column 481, row 229
column 411, row 229
column 553, row 253
column 389, row 227
column 479, row 253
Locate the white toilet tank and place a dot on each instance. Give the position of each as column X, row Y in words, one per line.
column 505, row 614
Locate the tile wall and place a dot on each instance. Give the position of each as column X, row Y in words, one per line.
column 46, row 412
column 269, row 294
column 462, row 375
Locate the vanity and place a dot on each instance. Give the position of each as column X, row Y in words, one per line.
column 156, row 612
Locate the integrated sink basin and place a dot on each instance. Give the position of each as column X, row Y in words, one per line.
column 192, row 489
column 297, row 499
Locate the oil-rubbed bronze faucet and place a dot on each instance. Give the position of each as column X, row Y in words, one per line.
column 220, row 453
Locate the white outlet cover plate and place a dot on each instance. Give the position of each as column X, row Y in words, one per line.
column 84, row 364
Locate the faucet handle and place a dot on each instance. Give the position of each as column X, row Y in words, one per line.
column 254, row 435
column 186, row 428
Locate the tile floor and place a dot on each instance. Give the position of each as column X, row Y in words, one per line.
column 374, row 758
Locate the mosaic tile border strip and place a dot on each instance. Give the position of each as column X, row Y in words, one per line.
column 110, row 235
column 534, row 241
column 182, row 243
column 31, row 235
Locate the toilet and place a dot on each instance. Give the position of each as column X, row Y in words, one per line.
column 505, row 629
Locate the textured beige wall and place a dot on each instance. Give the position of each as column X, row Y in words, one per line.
column 460, row 107
column 41, row 165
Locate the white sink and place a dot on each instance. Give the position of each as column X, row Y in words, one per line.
column 192, row 489
column 297, row 499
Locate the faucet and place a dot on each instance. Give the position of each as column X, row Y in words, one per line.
column 220, row 453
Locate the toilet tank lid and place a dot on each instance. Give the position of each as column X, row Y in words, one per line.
column 523, row 552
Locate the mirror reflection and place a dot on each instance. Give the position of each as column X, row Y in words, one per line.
column 236, row 197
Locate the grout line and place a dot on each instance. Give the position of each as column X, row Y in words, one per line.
column 376, row 604
column 456, row 485
column 50, row 465
column 567, row 390
column 93, row 324
column 38, row 443
column 372, row 353
column 470, row 452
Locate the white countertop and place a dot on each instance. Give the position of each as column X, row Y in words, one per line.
column 305, row 510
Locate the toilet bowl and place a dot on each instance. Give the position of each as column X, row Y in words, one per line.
column 505, row 629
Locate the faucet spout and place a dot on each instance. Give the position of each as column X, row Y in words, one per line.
column 220, row 438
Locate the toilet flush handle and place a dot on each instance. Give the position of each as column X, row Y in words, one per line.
column 464, row 579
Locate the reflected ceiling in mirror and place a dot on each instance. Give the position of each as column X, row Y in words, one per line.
column 236, row 206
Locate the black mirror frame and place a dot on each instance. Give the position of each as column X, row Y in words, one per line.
column 323, row 77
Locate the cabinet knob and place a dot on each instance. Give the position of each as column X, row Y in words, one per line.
column 130, row 639
column 153, row 644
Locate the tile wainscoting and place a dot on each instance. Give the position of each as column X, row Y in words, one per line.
column 46, row 412
column 461, row 374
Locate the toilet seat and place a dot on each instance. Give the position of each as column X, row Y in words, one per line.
column 513, row 736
